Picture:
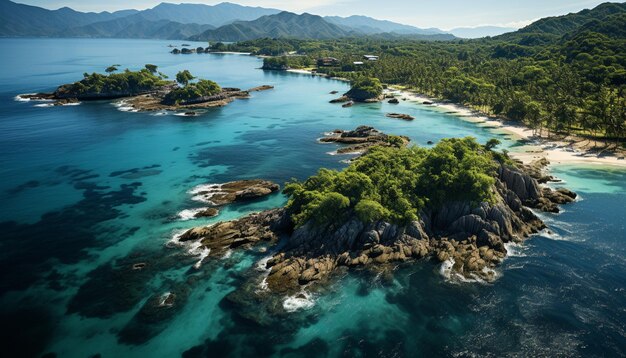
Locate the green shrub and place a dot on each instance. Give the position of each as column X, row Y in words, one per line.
column 192, row 91
column 364, row 88
column 396, row 183
column 124, row 83
column 369, row 211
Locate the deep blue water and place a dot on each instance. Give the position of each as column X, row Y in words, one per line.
column 89, row 190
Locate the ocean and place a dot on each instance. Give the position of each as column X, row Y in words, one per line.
column 90, row 190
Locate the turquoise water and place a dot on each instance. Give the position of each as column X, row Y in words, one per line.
column 89, row 190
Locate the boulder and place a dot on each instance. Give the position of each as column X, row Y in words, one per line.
column 405, row 117
column 341, row 99
column 208, row 213
column 242, row 190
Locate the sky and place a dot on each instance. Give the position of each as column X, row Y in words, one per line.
column 443, row 14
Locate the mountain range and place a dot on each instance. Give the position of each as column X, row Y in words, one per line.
column 480, row 31
column 223, row 22
column 608, row 19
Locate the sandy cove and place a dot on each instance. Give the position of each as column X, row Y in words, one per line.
column 561, row 150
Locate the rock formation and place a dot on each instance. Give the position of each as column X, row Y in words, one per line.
column 405, row 117
column 361, row 139
column 469, row 238
column 236, row 191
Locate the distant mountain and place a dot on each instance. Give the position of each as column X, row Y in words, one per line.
column 215, row 15
column 284, row 24
column 25, row 20
column 131, row 27
column 165, row 21
column 605, row 19
column 560, row 25
column 480, row 31
column 368, row 25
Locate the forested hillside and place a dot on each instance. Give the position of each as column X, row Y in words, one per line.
column 566, row 73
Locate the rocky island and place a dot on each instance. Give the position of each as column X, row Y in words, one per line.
column 218, row 195
column 363, row 89
column 458, row 203
column 146, row 90
column 361, row 139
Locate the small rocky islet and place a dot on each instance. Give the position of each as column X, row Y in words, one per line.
column 219, row 195
column 468, row 238
column 359, row 140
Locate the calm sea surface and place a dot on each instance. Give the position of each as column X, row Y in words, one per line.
column 89, row 190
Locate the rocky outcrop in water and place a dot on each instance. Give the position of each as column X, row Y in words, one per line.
column 469, row 240
column 245, row 232
column 235, row 191
column 341, row 99
column 362, row 138
column 526, row 185
column 405, row 117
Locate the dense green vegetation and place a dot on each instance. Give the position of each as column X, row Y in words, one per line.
column 287, row 62
column 396, row 183
column 364, row 88
column 566, row 74
column 191, row 91
column 126, row 83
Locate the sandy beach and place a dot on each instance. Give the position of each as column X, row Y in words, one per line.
column 557, row 151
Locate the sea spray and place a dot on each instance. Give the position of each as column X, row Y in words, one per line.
column 190, row 214
column 514, row 249
column 299, row 301
column 204, row 192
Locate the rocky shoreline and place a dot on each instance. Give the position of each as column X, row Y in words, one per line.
column 218, row 195
column 150, row 100
column 469, row 240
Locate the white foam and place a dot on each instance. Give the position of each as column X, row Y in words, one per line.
column 514, row 249
column 261, row 266
column 295, row 303
column 203, row 255
column 18, row 98
column 228, row 254
column 194, row 248
column 263, row 286
column 184, row 114
column 124, row 107
column 175, row 240
column 445, row 270
column 45, row 105
column 190, row 214
column 207, row 190
column 164, row 298
column 552, row 235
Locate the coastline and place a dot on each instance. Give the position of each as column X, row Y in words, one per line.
column 311, row 73
column 557, row 151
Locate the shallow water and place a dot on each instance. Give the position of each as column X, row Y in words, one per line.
column 84, row 187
